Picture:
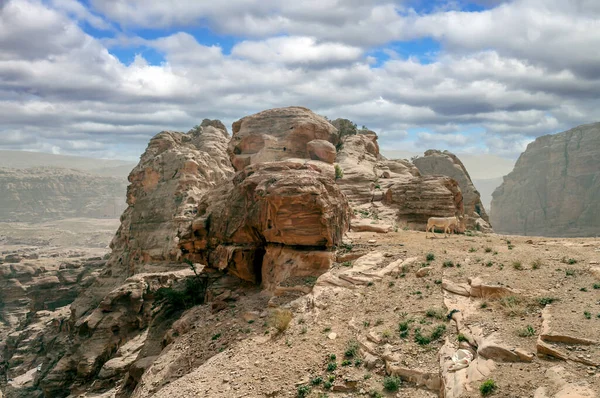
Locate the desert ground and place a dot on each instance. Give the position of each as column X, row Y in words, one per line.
column 383, row 309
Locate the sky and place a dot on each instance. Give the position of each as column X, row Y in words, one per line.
column 99, row 78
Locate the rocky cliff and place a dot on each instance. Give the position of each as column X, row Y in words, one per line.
column 38, row 194
column 554, row 187
column 447, row 164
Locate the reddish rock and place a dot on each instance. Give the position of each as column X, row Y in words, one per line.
column 322, row 150
column 277, row 134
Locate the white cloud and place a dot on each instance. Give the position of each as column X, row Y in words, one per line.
column 62, row 88
column 296, row 51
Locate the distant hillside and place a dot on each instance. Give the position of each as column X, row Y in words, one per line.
column 40, row 194
column 37, row 187
column 103, row 167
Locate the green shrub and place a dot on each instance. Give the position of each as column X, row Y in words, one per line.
column 487, row 387
column 193, row 293
column 352, row 349
column 339, row 173
column 303, row 391
column 316, row 381
column 526, row 332
column 430, row 257
column 331, row 366
column 392, row 383
column 544, row 301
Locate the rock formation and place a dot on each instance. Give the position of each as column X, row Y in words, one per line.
column 279, row 200
column 33, row 195
column 554, row 187
column 263, row 207
column 392, row 191
column 447, row 164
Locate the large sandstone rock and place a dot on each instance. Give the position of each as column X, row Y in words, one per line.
column 173, row 175
column 33, row 195
column 392, row 191
column 277, row 134
column 554, row 187
column 447, row 164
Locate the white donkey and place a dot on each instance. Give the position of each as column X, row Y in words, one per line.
column 447, row 223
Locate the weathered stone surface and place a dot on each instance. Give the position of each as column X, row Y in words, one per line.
column 321, row 150
column 447, row 164
column 277, row 134
column 554, row 187
column 33, row 195
column 292, row 203
column 395, row 188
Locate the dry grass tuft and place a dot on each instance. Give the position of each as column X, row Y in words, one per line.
column 280, row 319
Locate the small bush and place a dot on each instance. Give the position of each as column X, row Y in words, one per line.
column 437, row 313
column 448, row 264
column 192, row 294
column 332, row 357
column 280, row 319
column 315, row 381
column 303, row 391
column 346, row 362
column 327, row 385
column 517, row 265
column 544, row 301
column 587, row 315
column 487, row 387
column 526, row 332
column 351, row 349
column 430, row 257
column 339, row 173
column 596, row 286
column 570, row 272
column 569, row 261
column 392, row 383
column 215, row 336
column 462, row 338
column 331, row 366
column 375, row 394
column 488, row 249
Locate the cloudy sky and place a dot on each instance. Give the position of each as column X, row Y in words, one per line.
column 100, row 77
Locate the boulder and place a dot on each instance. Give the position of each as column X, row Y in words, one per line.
column 554, row 187
column 447, row 164
column 277, row 134
column 321, row 150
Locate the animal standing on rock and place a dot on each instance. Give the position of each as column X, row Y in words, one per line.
column 442, row 222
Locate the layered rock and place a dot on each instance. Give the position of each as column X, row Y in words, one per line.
column 38, row 194
column 278, row 134
column 392, row 191
column 554, row 187
column 280, row 199
column 447, row 164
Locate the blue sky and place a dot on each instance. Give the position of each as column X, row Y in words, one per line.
column 101, row 77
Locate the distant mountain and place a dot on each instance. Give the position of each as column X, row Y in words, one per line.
column 554, row 189
column 36, row 187
column 104, row 167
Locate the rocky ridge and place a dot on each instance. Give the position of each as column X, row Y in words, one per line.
column 554, row 187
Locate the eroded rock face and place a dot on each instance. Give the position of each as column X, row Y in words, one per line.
column 447, row 164
column 277, row 134
column 173, row 175
column 554, row 187
column 392, row 191
column 287, row 201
